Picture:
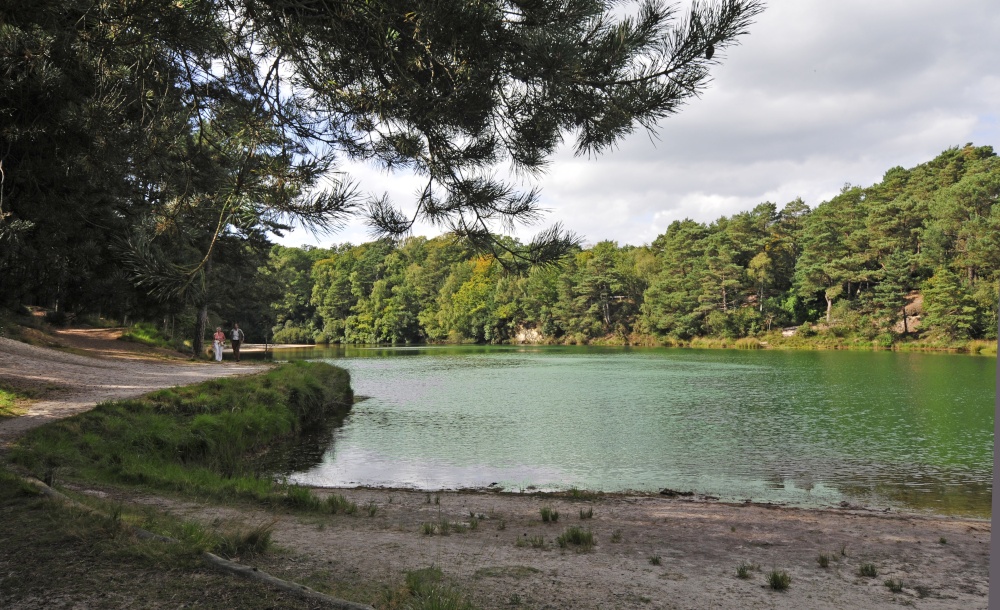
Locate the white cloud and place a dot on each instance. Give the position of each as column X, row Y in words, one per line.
column 819, row 94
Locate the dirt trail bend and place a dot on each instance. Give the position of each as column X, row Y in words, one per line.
column 71, row 383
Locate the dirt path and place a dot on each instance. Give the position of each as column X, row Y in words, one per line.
column 97, row 368
column 651, row 551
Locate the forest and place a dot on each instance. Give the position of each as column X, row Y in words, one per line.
column 152, row 150
column 916, row 255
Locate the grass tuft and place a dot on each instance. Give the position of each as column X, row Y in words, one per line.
column 779, row 580
column 587, row 513
column 337, row 503
column 868, row 570
column 578, row 537
column 549, row 515
column 743, row 570
column 823, row 560
column 894, row 584
column 655, row 560
column 616, row 536
column 245, row 544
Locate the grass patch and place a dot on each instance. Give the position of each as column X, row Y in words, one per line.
column 86, row 560
column 894, row 584
column 779, row 580
column 549, row 515
column 245, row 544
column 147, row 334
column 616, row 536
column 212, row 439
column 744, row 568
column 12, row 402
column 655, row 560
column 576, row 536
column 587, row 513
column 425, row 590
column 942, row 540
column 337, row 503
column 868, row 570
column 823, row 560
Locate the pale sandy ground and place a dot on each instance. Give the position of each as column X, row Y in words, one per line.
column 699, row 543
column 98, row 368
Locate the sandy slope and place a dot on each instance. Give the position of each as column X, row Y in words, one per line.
column 98, row 369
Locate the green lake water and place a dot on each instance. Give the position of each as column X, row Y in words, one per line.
column 884, row 429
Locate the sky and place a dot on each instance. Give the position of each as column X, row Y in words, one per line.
column 819, row 94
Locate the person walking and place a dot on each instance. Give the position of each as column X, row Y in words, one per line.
column 218, row 342
column 236, row 337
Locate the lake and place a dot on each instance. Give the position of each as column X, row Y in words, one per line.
column 808, row 428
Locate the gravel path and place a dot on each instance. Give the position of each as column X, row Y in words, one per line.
column 71, row 383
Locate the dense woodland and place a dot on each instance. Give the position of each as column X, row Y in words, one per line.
column 848, row 267
column 151, row 149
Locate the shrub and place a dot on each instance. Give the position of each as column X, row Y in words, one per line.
column 894, row 584
column 779, row 580
column 549, row 514
column 578, row 537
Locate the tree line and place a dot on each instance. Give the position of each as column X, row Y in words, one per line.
column 150, row 149
column 859, row 264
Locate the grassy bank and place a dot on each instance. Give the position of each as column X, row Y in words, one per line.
column 54, row 555
column 212, row 439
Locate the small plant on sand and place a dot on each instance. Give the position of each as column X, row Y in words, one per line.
column 437, row 499
column 779, row 580
column 537, row 542
column 427, row 529
column 549, row 515
column 578, row 537
column 245, row 544
column 587, row 513
column 474, row 524
column 426, row 590
column 942, row 540
column 843, row 549
column 372, row 508
column 616, row 535
column 743, row 570
column 302, row 498
column 444, row 528
column 502, row 525
column 868, row 570
column 654, row 560
column 427, row 498
column 894, row 584
column 339, row 504
column 823, row 560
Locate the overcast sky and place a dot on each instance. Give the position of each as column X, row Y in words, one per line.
column 819, row 94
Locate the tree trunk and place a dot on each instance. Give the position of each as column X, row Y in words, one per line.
column 829, row 306
column 198, row 345
column 906, row 330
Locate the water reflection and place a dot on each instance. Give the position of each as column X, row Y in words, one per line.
column 904, row 430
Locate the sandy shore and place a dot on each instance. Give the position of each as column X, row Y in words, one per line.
column 650, row 551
